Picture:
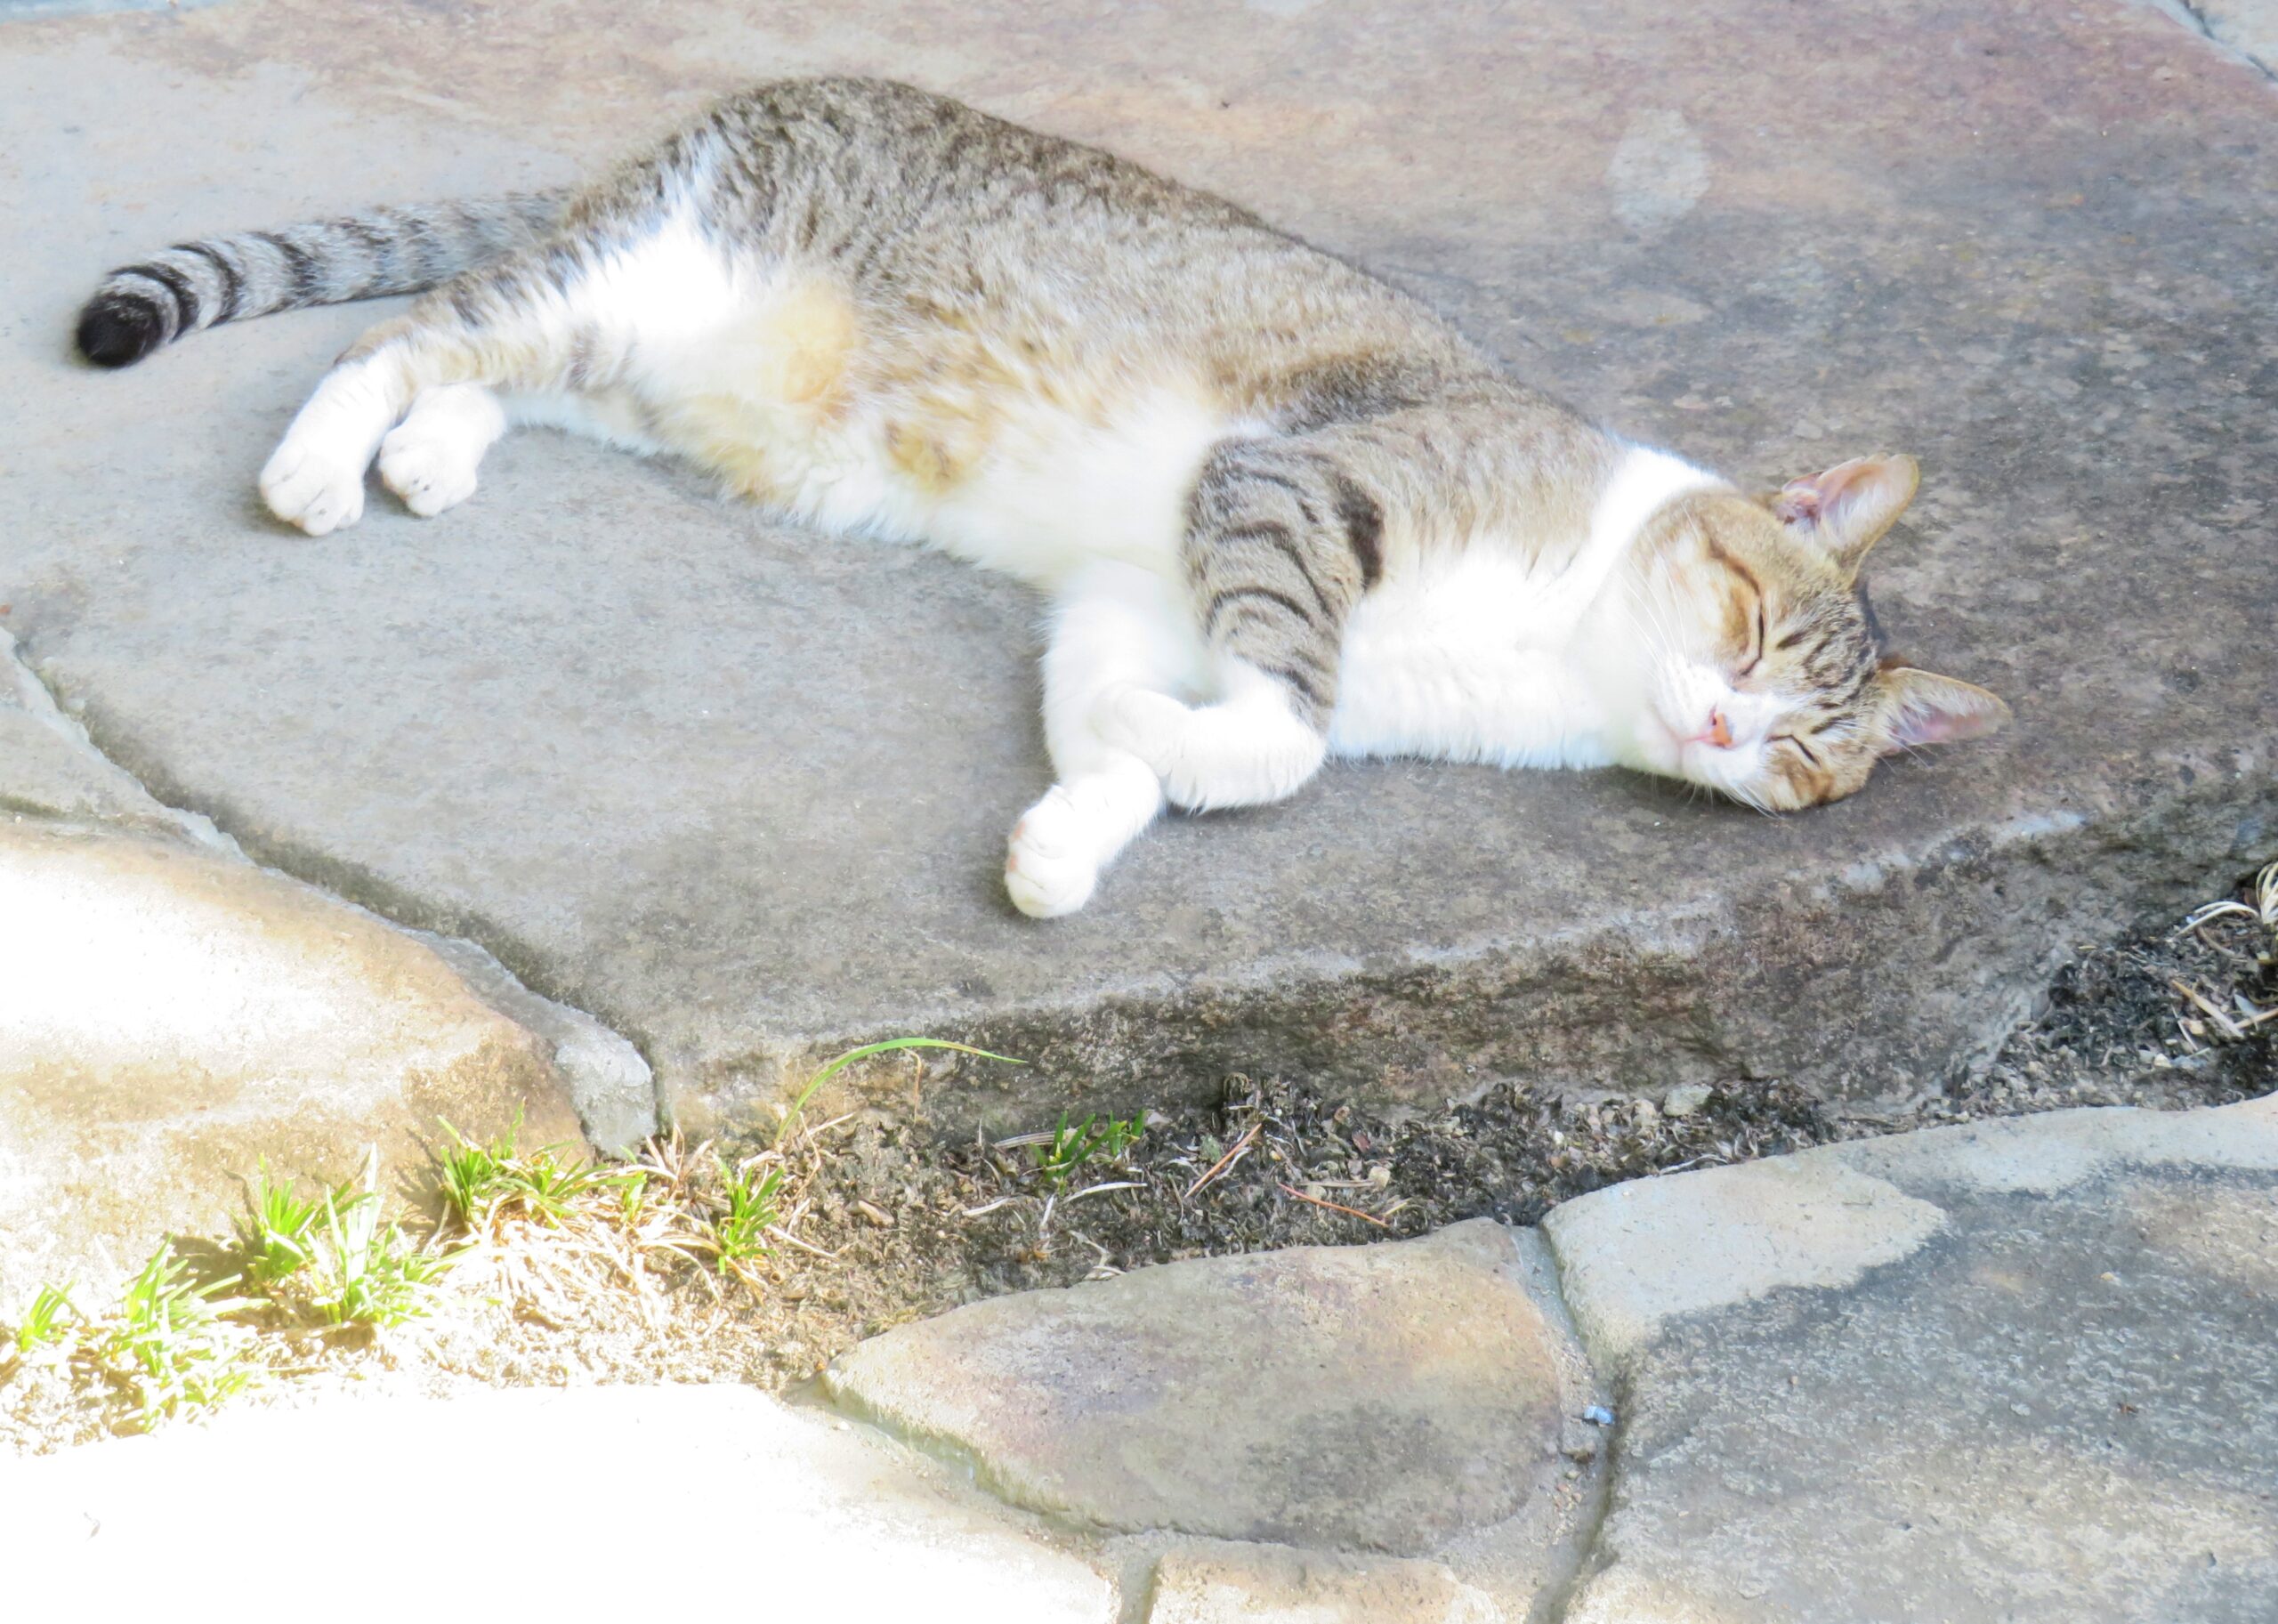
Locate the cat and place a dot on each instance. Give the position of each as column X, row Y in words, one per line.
column 1281, row 511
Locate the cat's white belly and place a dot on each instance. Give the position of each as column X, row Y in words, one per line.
column 1056, row 492
column 759, row 375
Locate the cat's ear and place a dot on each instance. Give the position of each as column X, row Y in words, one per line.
column 1847, row 509
column 1923, row 708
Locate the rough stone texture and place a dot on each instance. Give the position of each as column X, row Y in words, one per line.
column 744, row 797
column 50, row 769
column 1383, row 1398
column 629, row 1503
column 169, row 1016
column 1637, row 1254
column 610, row 1085
column 2056, row 1404
column 2248, row 26
column 1264, row 1586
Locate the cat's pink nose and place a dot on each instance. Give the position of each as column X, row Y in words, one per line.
column 1718, row 732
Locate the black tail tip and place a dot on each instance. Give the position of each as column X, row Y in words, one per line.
column 119, row 329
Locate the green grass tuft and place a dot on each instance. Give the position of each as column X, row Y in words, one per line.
column 277, row 1238
column 482, row 1182
column 362, row 1271
column 751, row 1206
column 43, row 1322
column 1073, row 1146
column 170, row 1344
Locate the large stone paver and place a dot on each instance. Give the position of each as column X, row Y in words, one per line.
column 171, row 1017
column 744, row 796
column 49, row 769
column 1282, row 1586
column 614, row 1502
column 2056, row 1400
column 1387, row 1398
column 2248, row 26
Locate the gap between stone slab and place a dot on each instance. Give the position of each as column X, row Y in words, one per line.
column 1612, row 1388
column 2192, row 17
column 611, row 1080
column 39, row 703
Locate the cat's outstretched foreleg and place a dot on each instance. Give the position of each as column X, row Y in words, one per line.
column 1281, row 544
column 429, row 459
column 1116, row 629
column 315, row 478
column 439, row 371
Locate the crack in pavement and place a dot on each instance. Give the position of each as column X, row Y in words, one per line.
column 609, row 1080
column 2191, row 15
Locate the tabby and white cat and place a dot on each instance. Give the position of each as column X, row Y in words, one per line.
column 1281, row 510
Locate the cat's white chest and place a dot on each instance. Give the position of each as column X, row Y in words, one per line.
column 1465, row 657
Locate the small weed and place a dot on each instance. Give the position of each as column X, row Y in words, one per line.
column 1073, row 1145
column 545, row 1186
column 815, row 1082
column 480, row 1183
column 170, row 1343
column 364, row 1272
column 277, row 1237
column 474, row 1178
column 750, row 1202
column 632, row 1199
column 43, row 1322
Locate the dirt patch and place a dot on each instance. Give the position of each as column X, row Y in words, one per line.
column 880, row 1226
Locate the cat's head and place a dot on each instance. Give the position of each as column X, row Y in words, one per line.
column 1762, row 675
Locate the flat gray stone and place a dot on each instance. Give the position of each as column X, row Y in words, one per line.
column 1261, row 1585
column 49, row 768
column 725, row 1504
column 2056, row 1402
column 2248, row 26
column 743, row 797
column 1380, row 1398
column 1636, row 1255
column 170, row 1017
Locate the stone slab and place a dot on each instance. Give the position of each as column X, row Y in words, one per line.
column 2056, row 1402
column 2247, row 27
column 743, row 797
column 49, row 768
column 622, row 1502
column 1383, row 1398
column 169, row 1017
column 1638, row 1254
column 1262, row 1586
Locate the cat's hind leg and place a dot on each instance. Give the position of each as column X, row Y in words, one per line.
column 315, row 478
column 1250, row 746
column 1116, row 629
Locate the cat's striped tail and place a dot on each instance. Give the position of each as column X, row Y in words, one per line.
column 195, row 285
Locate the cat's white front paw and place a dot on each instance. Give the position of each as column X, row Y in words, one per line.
column 431, row 467
column 1051, row 863
column 311, row 486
